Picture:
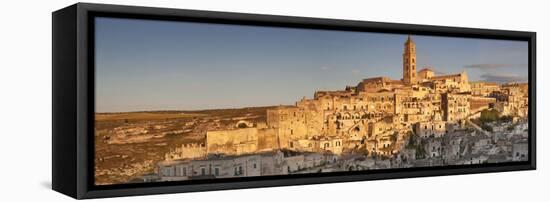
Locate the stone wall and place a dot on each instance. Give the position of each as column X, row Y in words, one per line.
column 187, row 151
column 242, row 141
column 233, row 142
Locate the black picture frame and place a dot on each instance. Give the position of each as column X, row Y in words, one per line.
column 73, row 99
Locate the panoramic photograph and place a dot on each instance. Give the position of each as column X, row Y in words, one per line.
column 184, row 101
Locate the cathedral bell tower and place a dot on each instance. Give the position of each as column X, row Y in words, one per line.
column 409, row 62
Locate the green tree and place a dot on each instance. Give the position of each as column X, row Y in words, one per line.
column 488, row 115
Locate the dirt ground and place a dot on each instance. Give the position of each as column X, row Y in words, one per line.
column 128, row 145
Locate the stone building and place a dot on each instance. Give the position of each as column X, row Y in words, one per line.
column 426, row 74
column 366, row 115
column 456, row 106
column 222, row 167
column 512, row 100
column 241, row 141
column 483, row 88
column 430, row 129
column 434, row 148
column 318, row 144
column 409, row 62
column 187, row 151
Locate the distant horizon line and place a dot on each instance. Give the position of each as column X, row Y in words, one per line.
column 192, row 110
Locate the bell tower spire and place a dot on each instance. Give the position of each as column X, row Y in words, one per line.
column 409, row 62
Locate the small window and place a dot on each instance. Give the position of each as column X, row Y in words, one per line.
column 178, row 172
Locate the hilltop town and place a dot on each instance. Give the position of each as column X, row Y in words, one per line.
column 423, row 119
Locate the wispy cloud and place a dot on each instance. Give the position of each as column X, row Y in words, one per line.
column 487, row 66
column 503, row 78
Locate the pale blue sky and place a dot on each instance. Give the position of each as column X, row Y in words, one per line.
column 164, row 65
